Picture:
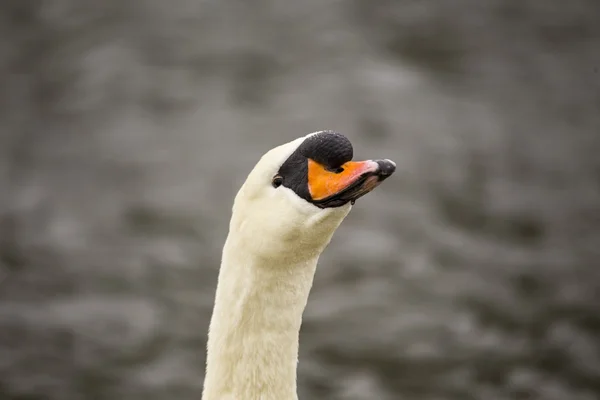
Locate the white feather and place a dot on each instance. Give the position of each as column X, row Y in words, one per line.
column 268, row 264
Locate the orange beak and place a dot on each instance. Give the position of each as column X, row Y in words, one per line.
column 323, row 183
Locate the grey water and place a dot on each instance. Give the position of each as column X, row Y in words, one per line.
column 126, row 127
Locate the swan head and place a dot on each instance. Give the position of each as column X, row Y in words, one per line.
column 298, row 194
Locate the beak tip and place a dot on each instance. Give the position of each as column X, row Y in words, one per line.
column 386, row 168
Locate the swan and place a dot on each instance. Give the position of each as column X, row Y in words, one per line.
column 282, row 219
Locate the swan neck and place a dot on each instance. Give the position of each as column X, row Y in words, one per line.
column 253, row 335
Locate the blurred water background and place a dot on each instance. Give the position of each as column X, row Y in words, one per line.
column 127, row 126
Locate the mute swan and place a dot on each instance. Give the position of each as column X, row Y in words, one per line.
column 283, row 217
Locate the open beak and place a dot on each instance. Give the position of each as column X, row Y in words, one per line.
column 351, row 181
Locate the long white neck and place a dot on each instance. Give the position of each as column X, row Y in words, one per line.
column 253, row 335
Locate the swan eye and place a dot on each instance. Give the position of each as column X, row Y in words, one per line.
column 277, row 181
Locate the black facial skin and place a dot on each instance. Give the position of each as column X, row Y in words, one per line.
column 328, row 148
column 332, row 150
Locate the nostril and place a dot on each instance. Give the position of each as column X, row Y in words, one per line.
column 337, row 170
